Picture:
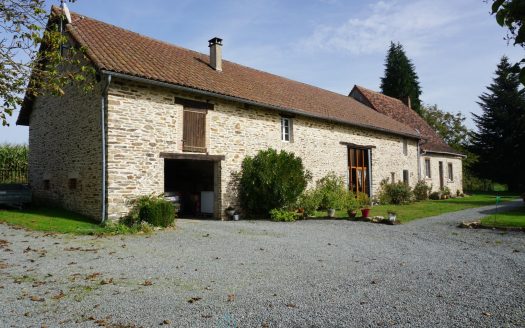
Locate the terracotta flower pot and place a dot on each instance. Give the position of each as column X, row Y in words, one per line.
column 365, row 212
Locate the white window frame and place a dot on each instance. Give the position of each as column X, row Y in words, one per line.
column 450, row 172
column 428, row 169
column 286, row 129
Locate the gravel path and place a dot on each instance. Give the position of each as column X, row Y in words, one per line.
column 315, row 273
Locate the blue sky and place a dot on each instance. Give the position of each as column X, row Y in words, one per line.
column 333, row 44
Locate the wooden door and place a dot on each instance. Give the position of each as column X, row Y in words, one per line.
column 194, row 130
column 358, row 170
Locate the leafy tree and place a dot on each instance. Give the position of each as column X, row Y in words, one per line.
column 511, row 14
column 34, row 55
column 451, row 127
column 400, row 80
column 500, row 140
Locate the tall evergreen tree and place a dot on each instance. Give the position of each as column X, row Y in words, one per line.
column 500, row 140
column 400, row 80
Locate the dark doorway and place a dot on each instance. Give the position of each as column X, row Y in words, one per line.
column 191, row 184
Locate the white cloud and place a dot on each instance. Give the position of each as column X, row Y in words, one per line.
column 416, row 24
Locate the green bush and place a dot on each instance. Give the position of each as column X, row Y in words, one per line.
column 280, row 215
column 271, row 180
column 309, row 201
column 154, row 210
column 362, row 200
column 332, row 192
column 445, row 191
column 422, row 190
column 436, row 195
column 395, row 193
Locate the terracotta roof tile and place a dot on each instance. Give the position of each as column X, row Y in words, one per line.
column 118, row 50
column 397, row 110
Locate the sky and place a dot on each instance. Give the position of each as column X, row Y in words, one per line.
column 333, row 44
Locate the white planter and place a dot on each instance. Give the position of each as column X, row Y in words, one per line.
column 392, row 217
column 236, row 217
column 331, row 212
column 230, row 213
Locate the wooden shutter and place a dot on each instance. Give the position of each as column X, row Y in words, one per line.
column 194, row 132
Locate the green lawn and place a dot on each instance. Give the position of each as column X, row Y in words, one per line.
column 418, row 210
column 510, row 219
column 52, row 220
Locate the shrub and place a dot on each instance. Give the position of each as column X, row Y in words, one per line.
column 350, row 202
column 445, row 191
column 280, row 215
column 395, row 193
column 422, row 190
column 154, row 210
column 435, row 195
column 362, row 200
column 158, row 212
column 332, row 191
column 271, row 180
column 309, row 201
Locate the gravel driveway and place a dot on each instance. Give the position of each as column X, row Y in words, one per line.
column 316, row 273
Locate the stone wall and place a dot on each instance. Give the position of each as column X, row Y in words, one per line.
column 457, row 169
column 65, row 144
column 144, row 121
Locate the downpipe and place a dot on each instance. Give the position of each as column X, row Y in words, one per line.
column 103, row 129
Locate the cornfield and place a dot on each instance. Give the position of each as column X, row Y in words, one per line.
column 13, row 163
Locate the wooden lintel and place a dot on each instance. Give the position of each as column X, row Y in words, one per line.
column 195, row 157
column 353, row 145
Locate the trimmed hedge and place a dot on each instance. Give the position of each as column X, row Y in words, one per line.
column 154, row 210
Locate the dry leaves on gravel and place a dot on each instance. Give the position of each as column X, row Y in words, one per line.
column 147, row 283
column 194, row 299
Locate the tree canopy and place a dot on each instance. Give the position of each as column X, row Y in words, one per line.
column 400, row 80
column 499, row 142
column 511, row 14
column 35, row 55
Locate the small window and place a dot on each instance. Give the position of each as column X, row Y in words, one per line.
column 393, row 174
column 72, row 184
column 405, row 177
column 286, row 129
column 450, row 172
column 405, row 146
column 46, row 184
column 427, row 168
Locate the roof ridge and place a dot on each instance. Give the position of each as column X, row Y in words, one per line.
column 197, row 52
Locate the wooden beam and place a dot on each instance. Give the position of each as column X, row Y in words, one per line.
column 194, row 157
column 353, row 145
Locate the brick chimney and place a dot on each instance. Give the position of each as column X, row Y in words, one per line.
column 215, row 45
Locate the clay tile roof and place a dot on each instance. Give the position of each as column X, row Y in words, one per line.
column 115, row 49
column 397, row 110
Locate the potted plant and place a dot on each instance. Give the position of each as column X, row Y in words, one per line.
column 230, row 211
column 352, row 212
column 392, row 215
column 365, row 211
column 364, row 203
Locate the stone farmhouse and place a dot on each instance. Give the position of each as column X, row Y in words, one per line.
column 164, row 119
